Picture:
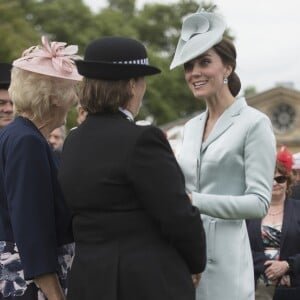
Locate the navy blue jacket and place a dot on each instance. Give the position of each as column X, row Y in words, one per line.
column 33, row 213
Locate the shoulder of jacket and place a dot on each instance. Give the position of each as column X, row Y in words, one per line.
column 195, row 120
column 253, row 112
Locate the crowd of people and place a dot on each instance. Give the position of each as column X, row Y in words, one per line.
column 106, row 211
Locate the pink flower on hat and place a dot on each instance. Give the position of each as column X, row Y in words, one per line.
column 52, row 59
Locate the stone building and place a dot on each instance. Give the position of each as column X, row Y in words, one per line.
column 282, row 105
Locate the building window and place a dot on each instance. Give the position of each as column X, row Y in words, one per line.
column 283, row 117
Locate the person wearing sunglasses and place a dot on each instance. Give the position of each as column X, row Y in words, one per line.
column 275, row 239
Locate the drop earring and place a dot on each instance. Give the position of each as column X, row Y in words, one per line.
column 225, row 81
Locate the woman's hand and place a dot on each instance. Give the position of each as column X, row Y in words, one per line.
column 285, row 280
column 50, row 286
column 196, row 279
column 275, row 269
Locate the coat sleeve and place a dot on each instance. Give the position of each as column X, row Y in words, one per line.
column 256, row 244
column 159, row 185
column 259, row 161
column 30, row 202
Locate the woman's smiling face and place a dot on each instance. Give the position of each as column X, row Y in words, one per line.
column 205, row 74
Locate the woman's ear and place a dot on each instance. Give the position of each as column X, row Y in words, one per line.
column 132, row 84
column 228, row 71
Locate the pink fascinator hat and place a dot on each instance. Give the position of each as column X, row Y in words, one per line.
column 53, row 59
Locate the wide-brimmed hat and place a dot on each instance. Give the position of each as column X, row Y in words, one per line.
column 115, row 58
column 5, row 69
column 200, row 31
column 53, row 59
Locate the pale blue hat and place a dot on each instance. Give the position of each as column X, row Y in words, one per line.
column 200, row 31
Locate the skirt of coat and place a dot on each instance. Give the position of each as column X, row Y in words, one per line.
column 137, row 264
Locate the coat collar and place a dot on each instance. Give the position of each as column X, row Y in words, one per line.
column 288, row 212
column 127, row 113
column 223, row 123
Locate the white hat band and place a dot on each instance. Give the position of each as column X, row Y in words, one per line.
column 142, row 61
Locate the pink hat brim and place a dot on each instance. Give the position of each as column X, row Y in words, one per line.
column 44, row 66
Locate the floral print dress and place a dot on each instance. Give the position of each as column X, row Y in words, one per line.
column 12, row 282
column 271, row 236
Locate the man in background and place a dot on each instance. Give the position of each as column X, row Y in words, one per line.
column 6, row 105
column 57, row 138
column 56, row 141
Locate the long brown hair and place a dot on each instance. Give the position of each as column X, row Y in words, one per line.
column 227, row 52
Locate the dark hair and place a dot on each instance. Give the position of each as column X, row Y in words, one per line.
column 104, row 95
column 280, row 168
column 226, row 50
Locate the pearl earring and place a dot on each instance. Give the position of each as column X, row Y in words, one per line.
column 225, row 81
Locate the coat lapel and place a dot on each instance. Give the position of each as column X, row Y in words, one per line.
column 224, row 122
column 199, row 128
column 288, row 211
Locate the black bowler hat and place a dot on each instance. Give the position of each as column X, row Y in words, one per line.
column 5, row 69
column 115, row 58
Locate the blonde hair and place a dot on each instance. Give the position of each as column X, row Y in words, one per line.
column 31, row 92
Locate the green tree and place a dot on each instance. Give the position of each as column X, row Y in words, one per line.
column 71, row 119
column 61, row 20
column 113, row 22
column 249, row 91
column 127, row 7
column 159, row 25
column 16, row 31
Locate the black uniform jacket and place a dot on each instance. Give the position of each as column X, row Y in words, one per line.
column 289, row 244
column 137, row 235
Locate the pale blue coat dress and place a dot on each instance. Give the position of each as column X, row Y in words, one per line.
column 230, row 176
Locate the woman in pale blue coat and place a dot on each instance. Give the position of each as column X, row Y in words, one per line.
column 227, row 156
